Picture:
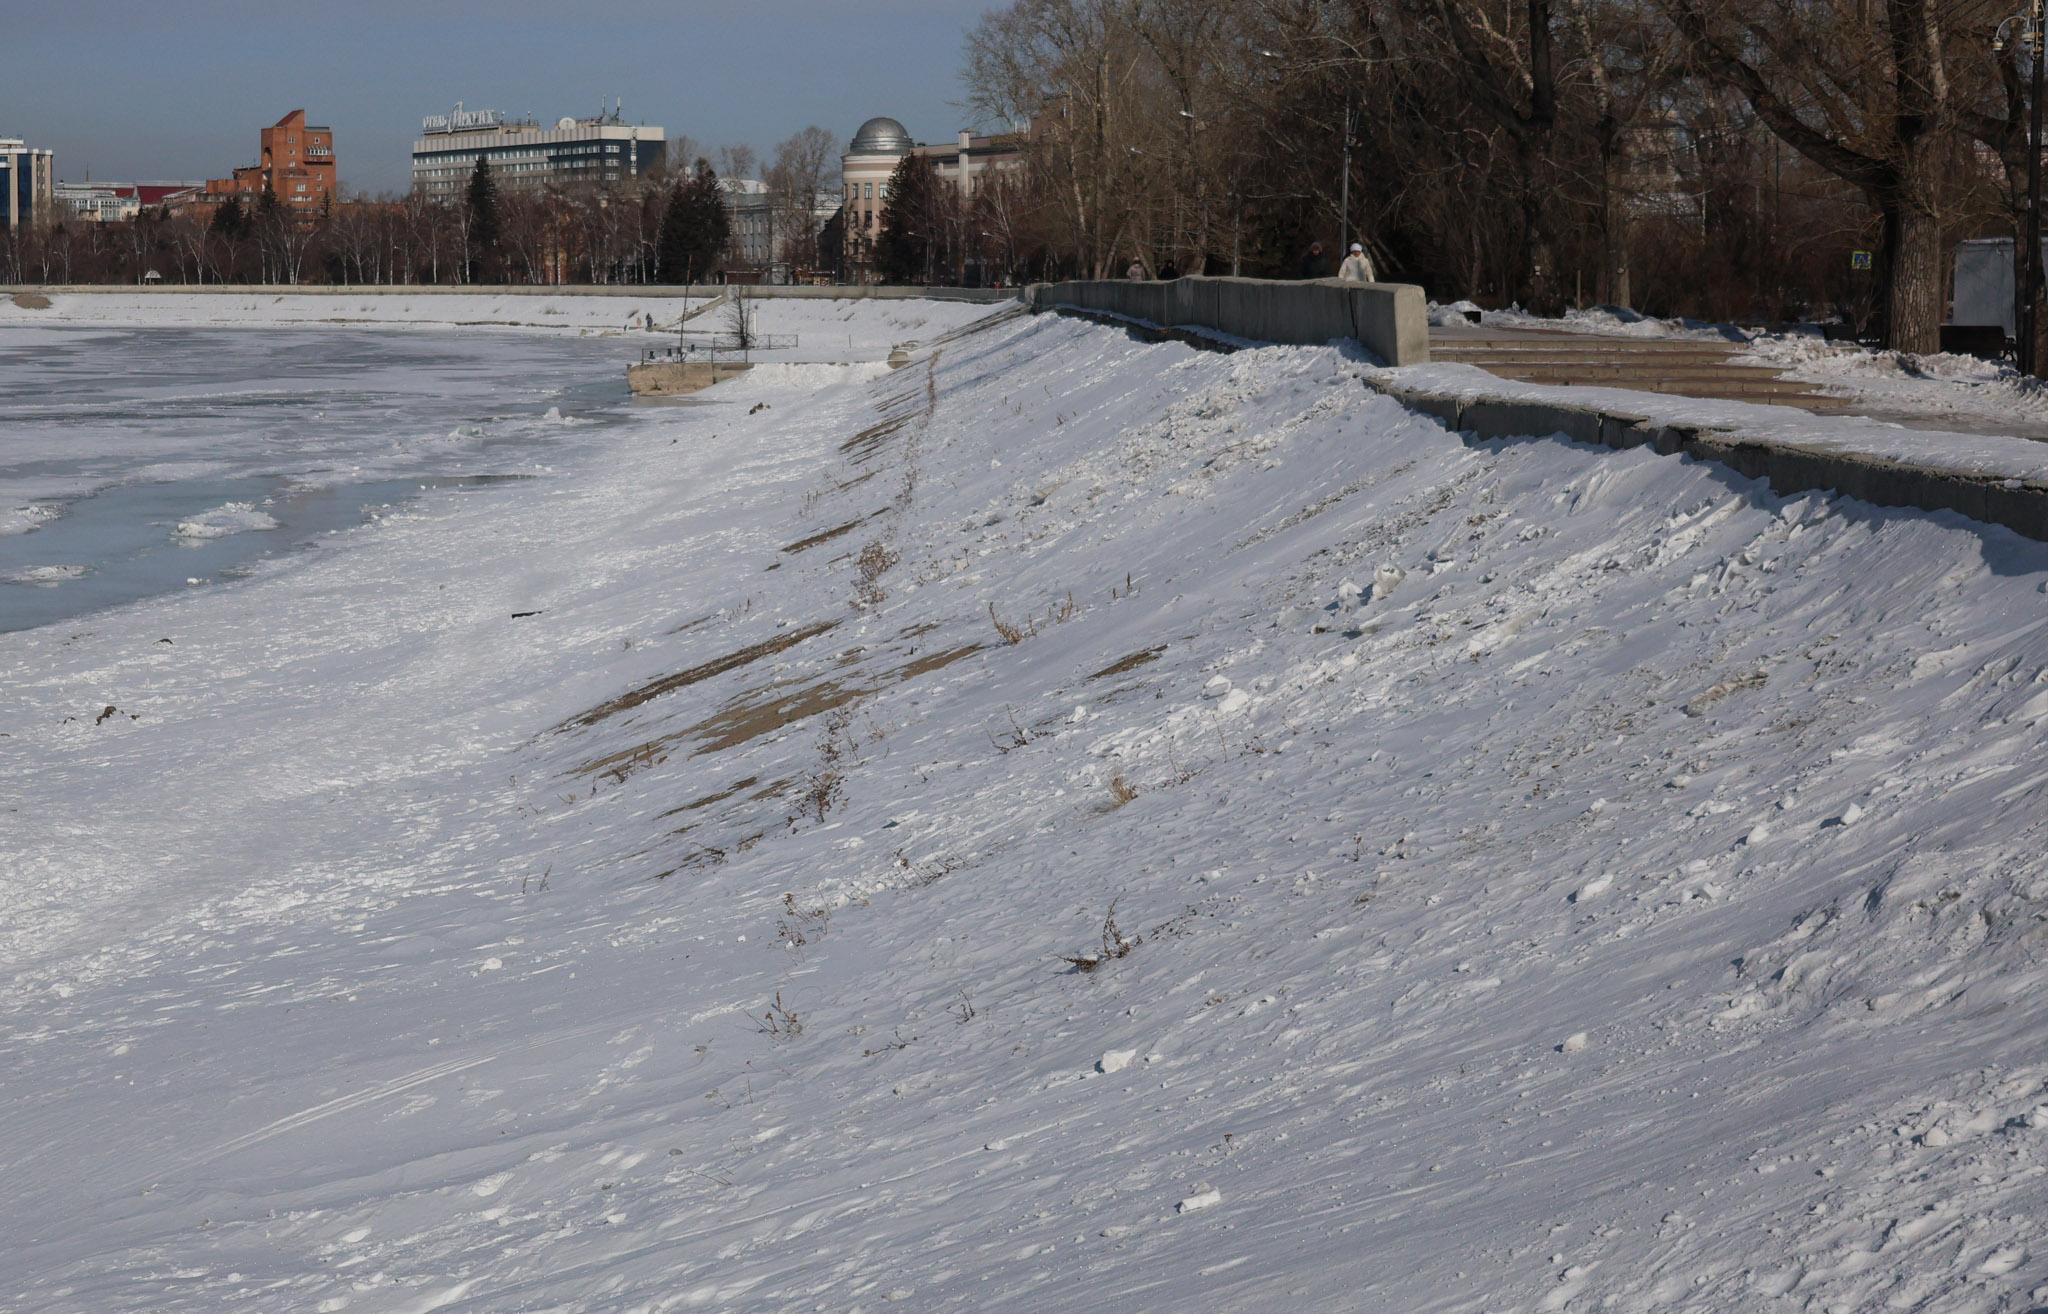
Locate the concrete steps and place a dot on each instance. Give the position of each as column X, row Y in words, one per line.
column 1671, row 366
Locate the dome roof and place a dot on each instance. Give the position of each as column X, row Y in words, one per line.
column 881, row 137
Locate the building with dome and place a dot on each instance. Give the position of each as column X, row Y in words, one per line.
column 871, row 157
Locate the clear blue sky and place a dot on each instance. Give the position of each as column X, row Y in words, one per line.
column 178, row 88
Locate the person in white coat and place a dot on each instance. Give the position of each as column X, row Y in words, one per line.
column 1357, row 267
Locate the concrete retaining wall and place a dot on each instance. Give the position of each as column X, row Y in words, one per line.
column 1391, row 320
column 671, row 378
column 642, row 291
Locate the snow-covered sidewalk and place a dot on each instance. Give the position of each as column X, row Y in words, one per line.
column 1942, row 392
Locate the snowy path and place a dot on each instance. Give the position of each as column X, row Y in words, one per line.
column 1560, row 879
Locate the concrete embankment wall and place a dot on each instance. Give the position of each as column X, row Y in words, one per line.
column 2020, row 505
column 1391, row 320
column 640, row 291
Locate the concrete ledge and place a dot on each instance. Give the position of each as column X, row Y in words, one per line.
column 642, row 291
column 673, row 378
column 1391, row 320
column 1786, row 467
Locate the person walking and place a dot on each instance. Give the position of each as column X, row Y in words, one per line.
column 1136, row 272
column 1169, row 271
column 1357, row 267
column 1315, row 264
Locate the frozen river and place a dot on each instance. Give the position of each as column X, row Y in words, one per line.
column 138, row 462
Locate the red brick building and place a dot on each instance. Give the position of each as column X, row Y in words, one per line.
column 295, row 160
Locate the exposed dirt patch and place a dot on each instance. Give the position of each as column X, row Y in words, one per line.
column 750, row 719
column 935, row 661
column 732, row 661
column 1130, row 663
column 826, row 535
column 863, row 445
column 718, row 797
column 765, row 711
column 689, row 625
column 31, row 301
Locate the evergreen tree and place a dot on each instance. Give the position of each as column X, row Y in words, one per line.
column 713, row 227
column 231, row 221
column 673, row 242
column 904, row 251
column 690, row 246
column 482, row 203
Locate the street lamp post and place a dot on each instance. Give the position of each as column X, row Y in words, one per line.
column 2027, row 268
column 1344, row 186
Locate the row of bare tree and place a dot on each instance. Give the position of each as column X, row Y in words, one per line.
column 1722, row 158
column 587, row 233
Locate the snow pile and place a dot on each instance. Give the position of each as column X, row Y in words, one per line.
column 1616, row 321
column 47, row 575
column 1944, row 384
column 227, row 518
column 22, row 519
column 1072, row 816
column 1457, row 314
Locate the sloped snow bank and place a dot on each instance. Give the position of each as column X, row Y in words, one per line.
column 1072, row 820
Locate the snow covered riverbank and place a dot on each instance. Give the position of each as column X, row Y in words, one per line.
column 1543, row 878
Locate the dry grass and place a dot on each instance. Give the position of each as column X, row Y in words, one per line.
column 647, row 755
column 1121, row 790
column 31, row 301
column 1006, row 630
column 780, row 1023
column 1059, row 613
column 873, row 562
column 1115, row 944
column 799, row 926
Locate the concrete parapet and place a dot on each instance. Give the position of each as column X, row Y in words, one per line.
column 1390, row 320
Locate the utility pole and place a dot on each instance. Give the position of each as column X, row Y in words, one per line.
column 2026, row 255
column 1344, row 183
column 2027, row 324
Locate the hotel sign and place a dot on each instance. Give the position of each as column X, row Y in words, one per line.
column 461, row 120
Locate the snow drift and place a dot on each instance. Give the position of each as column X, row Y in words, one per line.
column 1073, row 822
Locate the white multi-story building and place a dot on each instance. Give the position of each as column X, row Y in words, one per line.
column 761, row 228
column 98, row 203
column 28, row 178
column 522, row 153
column 872, row 156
